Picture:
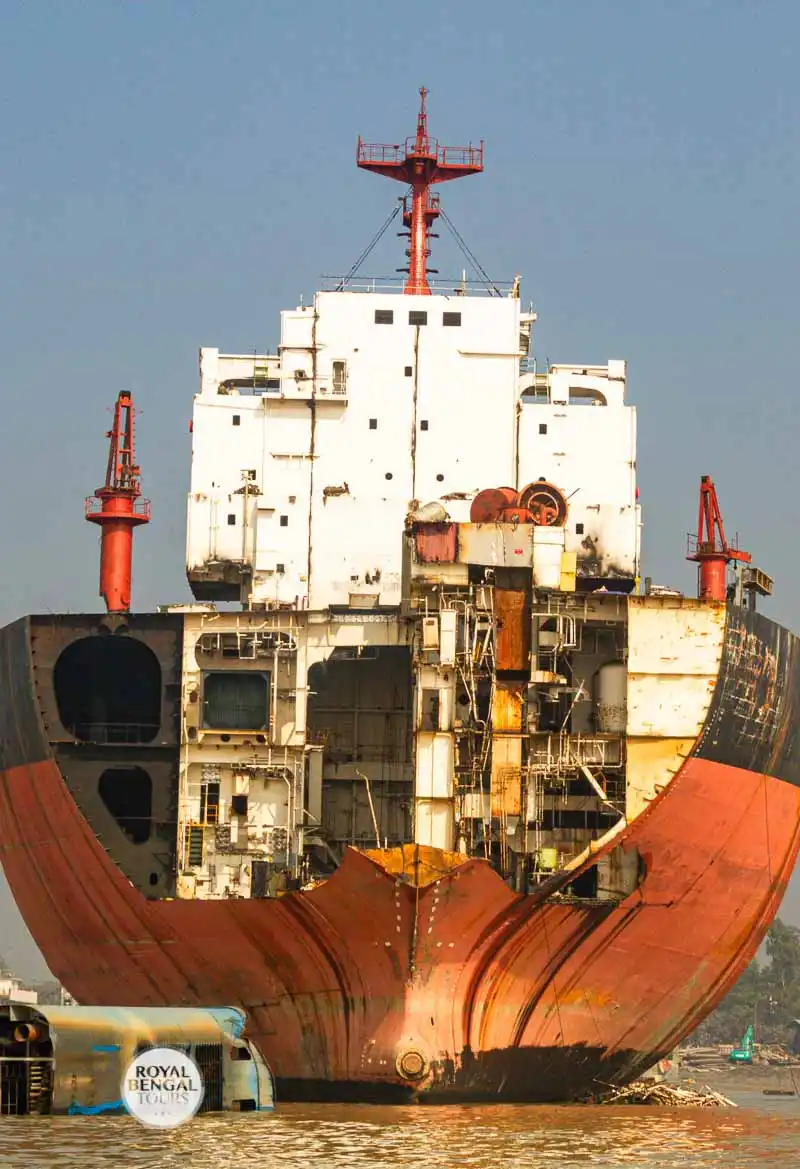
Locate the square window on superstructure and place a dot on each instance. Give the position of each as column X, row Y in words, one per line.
column 236, row 420
column 451, row 318
column 579, row 529
column 417, row 317
column 231, row 519
column 384, row 316
column 542, row 428
column 408, row 371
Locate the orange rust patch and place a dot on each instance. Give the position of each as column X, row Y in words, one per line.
column 418, row 864
column 512, row 611
column 577, row 997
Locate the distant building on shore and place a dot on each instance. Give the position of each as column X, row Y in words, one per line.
column 14, row 990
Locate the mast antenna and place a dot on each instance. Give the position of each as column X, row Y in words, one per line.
column 420, row 162
column 118, row 508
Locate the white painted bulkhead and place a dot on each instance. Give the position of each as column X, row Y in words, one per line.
column 302, row 481
column 674, row 651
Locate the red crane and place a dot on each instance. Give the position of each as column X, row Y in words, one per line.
column 118, row 508
column 710, row 549
column 420, row 163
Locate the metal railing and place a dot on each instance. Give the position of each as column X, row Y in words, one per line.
column 106, row 732
column 140, row 508
column 454, row 286
column 384, row 154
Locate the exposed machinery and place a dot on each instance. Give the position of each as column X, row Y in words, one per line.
column 539, row 503
column 744, row 1054
column 118, row 508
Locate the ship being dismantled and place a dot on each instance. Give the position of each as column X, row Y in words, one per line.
column 452, row 803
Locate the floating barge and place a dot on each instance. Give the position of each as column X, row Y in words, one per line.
column 71, row 1060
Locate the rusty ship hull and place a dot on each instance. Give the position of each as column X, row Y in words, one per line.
column 413, row 972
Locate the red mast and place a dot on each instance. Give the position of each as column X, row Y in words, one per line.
column 118, row 509
column 712, row 554
column 420, row 163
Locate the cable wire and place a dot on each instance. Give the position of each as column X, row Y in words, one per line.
column 376, row 239
column 469, row 254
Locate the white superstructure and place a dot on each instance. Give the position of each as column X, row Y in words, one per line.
column 306, row 463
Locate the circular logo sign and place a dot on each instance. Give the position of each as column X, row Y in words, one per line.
column 163, row 1087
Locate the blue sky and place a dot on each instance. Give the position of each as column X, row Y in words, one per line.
column 176, row 172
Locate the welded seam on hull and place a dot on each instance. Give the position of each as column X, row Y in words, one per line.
column 746, row 814
column 757, row 933
column 298, row 908
column 512, row 939
column 714, row 857
column 305, row 1004
column 576, row 942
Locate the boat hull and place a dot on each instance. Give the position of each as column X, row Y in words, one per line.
column 416, row 973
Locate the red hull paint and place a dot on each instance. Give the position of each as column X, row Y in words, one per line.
column 504, row 996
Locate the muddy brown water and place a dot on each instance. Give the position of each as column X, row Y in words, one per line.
column 762, row 1131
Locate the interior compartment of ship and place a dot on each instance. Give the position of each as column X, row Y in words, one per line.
column 359, row 712
column 108, row 689
column 536, row 705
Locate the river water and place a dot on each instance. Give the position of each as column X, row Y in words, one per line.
column 761, row 1132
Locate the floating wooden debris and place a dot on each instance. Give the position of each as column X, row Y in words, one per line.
column 666, row 1096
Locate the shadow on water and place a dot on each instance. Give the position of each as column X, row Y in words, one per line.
column 470, row 1137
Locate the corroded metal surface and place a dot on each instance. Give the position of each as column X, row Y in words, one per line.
column 513, row 617
column 436, row 543
column 502, row 996
column 506, row 775
column 416, row 864
column 754, row 720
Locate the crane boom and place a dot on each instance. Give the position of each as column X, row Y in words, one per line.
column 710, row 548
